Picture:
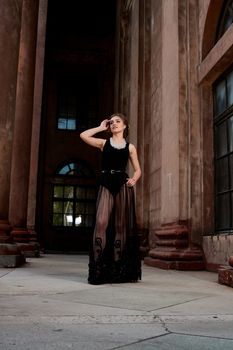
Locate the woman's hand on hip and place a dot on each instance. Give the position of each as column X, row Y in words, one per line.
column 131, row 182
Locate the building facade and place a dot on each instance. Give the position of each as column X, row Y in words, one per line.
column 168, row 66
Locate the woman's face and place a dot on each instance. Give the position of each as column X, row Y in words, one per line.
column 116, row 125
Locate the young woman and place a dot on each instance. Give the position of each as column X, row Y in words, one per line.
column 115, row 255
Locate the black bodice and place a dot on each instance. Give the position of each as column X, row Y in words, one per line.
column 114, row 159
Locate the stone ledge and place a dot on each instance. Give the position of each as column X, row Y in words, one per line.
column 176, row 254
column 10, row 255
column 191, row 265
column 11, row 260
column 31, row 249
column 225, row 275
column 182, row 242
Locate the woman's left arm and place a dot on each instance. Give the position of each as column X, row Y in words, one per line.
column 136, row 166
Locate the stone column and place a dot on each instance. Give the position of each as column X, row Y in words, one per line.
column 170, row 114
column 10, row 14
column 36, row 115
column 174, row 240
column 20, row 163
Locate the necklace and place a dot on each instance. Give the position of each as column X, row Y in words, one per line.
column 117, row 145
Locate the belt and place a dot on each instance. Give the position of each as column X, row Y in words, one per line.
column 112, row 171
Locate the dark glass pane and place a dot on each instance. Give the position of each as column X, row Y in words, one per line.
column 90, row 193
column 223, row 211
column 58, row 191
column 80, row 193
column 228, row 16
column 90, row 208
column 68, row 207
column 231, row 172
column 226, row 19
column 80, row 208
column 57, row 220
column 57, row 207
column 68, row 220
column 72, row 166
column 64, row 170
column 227, row 23
column 79, row 220
column 222, row 176
column 62, row 123
column 89, row 220
column 220, row 98
column 68, row 192
column 71, row 124
column 232, row 210
column 221, row 139
column 230, row 89
column 230, row 133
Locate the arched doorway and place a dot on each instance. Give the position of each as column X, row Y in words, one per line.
column 78, row 92
column 69, row 207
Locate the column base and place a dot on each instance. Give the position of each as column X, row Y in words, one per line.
column 172, row 250
column 26, row 241
column 10, row 254
column 175, row 265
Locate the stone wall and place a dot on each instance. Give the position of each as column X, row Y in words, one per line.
column 218, row 249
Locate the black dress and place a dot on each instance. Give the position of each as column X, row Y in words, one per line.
column 115, row 256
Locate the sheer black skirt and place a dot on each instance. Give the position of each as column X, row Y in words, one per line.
column 115, row 256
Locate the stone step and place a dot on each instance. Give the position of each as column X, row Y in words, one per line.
column 176, row 254
column 225, row 275
column 172, row 233
column 191, row 265
column 182, row 242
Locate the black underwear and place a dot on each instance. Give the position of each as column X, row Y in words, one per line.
column 113, row 181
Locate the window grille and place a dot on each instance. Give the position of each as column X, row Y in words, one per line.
column 223, row 141
column 73, row 204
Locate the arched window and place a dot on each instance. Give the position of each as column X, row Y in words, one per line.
column 75, row 169
column 74, row 204
column 223, row 140
column 226, row 18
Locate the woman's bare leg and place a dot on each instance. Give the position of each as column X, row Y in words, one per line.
column 123, row 220
column 103, row 213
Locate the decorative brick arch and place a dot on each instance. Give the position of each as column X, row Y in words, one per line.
column 211, row 25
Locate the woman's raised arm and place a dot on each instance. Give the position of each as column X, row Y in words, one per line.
column 88, row 135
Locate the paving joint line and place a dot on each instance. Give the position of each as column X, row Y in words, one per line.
column 139, row 341
column 7, row 273
column 176, row 304
column 202, row 336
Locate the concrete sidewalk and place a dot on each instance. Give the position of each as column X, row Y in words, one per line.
column 47, row 304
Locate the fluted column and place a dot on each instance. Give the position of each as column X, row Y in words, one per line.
column 21, row 151
column 23, row 116
column 10, row 14
column 176, row 243
column 36, row 115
